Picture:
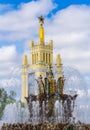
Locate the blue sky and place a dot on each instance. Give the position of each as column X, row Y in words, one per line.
column 66, row 22
column 61, row 3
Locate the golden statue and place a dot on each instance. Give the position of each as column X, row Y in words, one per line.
column 41, row 20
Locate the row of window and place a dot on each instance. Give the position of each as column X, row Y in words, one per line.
column 45, row 57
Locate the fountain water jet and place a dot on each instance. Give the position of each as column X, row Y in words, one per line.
column 51, row 104
column 40, row 114
column 14, row 113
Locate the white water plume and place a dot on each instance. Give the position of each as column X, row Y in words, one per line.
column 74, row 82
column 14, row 113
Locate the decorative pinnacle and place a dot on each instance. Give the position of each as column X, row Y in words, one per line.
column 25, row 60
column 41, row 20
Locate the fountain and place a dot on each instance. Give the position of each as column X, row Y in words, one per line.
column 51, row 104
column 46, row 91
column 14, row 113
column 49, row 108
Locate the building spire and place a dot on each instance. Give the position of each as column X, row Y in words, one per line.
column 25, row 60
column 41, row 20
column 41, row 30
column 58, row 60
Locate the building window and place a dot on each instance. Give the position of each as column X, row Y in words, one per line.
column 40, row 56
column 49, row 59
column 37, row 57
column 32, row 59
column 44, row 57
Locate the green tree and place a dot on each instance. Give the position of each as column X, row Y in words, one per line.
column 5, row 99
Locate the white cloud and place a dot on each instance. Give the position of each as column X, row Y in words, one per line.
column 20, row 24
column 7, row 53
column 12, row 82
column 9, row 64
column 69, row 28
column 10, row 69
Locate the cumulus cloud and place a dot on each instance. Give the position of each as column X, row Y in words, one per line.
column 9, row 64
column 7, row 53
column 10, row 69
column 20, row 24
column 12, row 82
column 69, row 28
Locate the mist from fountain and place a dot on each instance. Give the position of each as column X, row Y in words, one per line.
column 58, row 111
column 14, row 113
column 74, row 83
column 35, row 112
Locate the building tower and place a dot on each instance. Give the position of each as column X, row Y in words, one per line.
column 59, row 70
column 41, row 56
column 24, row 79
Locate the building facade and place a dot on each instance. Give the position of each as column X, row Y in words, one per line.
column 41, row 56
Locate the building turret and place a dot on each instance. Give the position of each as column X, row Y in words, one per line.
column 25, row 60
column 41, row 53
column 59, row 72
column 41, row 56
column 58, row 60
column 24, row 79
column 58, row 67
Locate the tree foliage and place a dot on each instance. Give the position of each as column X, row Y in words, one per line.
column 5, row 99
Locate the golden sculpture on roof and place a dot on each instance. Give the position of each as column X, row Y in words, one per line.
column 41, row 20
